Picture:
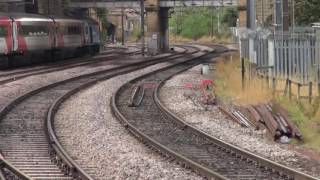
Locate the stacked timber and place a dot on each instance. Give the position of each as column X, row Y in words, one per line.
column 236, row 115
column 294, row 130
column 269, row 120
column 275, row 119
column 270, row 116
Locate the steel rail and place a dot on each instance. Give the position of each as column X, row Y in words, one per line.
column 58, row 67
column 7, row 165
column 26, row 69
column 246, row 156
column 11, row 104
column 58, row 148
column 150, row 141
column 64, row 160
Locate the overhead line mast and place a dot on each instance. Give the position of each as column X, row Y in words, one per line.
column 142, row 27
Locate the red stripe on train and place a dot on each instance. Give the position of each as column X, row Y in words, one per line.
column 22, row 44
column 6, row 22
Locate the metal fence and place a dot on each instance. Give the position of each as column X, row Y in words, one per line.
column 287, row 56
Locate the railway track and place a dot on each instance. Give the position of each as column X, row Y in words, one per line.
column 159, row 129
column 27, row 133
column 13, row 70
column 13, row 76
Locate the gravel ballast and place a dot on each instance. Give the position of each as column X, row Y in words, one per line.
column 16, row 88
column 91, row 135
column 217, row 124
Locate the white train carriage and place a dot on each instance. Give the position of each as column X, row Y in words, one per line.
column 26, row 38
column 29, row 38
column 21, row 33
column 69, row 36
column 77, row 36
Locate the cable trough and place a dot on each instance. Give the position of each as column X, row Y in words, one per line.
column 164, row 132
column 27, row 133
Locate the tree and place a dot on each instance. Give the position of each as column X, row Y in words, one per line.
column 197, row 22
column 230, row 17
column 307, row 11
column 102, row 16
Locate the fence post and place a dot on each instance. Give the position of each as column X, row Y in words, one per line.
column 319, row 89
column 310, row 92
column 299, row 91
column 273, row 85
column 286, row 87
column 290, row 88
column 243, row 73
column 318, row 79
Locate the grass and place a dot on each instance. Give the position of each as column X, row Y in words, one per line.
column 306, row 116
column 299, row 111
column 229, row 84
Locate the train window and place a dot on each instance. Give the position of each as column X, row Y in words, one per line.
column 3, row 31
column 73, row 30
column 30, row 30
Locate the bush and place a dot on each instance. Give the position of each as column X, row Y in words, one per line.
column 197, row 22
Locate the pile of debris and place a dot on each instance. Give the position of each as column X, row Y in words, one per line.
column 202, row 94
column 270, row 116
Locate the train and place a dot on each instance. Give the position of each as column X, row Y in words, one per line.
column 29, row 38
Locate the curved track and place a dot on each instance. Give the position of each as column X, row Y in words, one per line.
column 161, row 130
column 24, row 135
column 6, row 77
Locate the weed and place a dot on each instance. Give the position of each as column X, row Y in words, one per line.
column 306, row 116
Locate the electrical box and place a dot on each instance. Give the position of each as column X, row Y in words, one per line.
column 154, row 44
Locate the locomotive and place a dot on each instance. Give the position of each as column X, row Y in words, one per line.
column 28, row 38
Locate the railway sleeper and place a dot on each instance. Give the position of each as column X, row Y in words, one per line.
column 222, row 167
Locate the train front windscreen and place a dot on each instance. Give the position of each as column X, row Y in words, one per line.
column 3, row 31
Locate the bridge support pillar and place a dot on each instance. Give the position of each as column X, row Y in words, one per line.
column 157, row 29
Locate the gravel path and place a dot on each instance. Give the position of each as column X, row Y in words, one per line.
column 91, row 135
column 218, row 125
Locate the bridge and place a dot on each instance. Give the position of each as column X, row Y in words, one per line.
column 157, row 15
column 162, row 3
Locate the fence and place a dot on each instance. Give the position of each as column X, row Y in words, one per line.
column 291, row 57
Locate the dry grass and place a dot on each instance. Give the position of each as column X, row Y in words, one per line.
column 132, row 39
column 304, row 90
column 229, row 84
column 306, row 116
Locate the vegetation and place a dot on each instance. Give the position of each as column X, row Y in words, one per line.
column 306, row 116
column 197, row 22
column 102, row 16
column 136, row 32
column 229, row 85
column 307, row 12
